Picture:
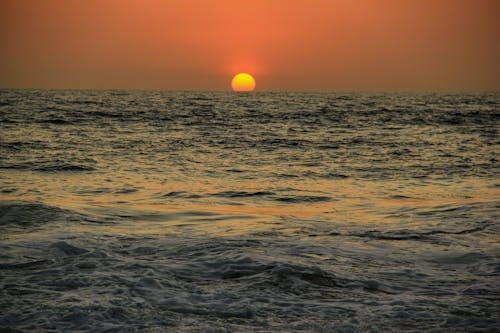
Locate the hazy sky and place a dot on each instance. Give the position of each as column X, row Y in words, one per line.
column 286, row 44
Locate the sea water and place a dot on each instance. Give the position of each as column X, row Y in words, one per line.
column 151, row 211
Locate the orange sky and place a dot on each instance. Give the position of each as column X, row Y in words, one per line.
column 324, row 45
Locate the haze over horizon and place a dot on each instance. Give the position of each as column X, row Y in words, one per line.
column 317, row 45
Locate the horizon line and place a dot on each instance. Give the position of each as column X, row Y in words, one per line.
column 361, row 91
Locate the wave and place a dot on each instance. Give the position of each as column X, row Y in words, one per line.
column 67, row 249
column 29, row 214
column 242, row 194
column 304, row 199
column 455, row 258
column 273, row 196
column 56, row 121
column 412, row 234
column 49, row 166
column 21, row 145
column 245, row 283
column 181, row 195
column 61, row 167
column 26, row 215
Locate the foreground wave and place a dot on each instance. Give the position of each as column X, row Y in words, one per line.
column 161, row 283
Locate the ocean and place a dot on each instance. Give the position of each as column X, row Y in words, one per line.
column 154, row 211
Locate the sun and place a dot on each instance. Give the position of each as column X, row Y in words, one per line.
column 243, row 82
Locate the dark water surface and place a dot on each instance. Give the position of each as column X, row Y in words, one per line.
column 264, row 212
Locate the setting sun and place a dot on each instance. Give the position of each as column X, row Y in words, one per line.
column 243, row 82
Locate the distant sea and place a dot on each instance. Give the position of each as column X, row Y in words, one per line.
column 151, row 211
